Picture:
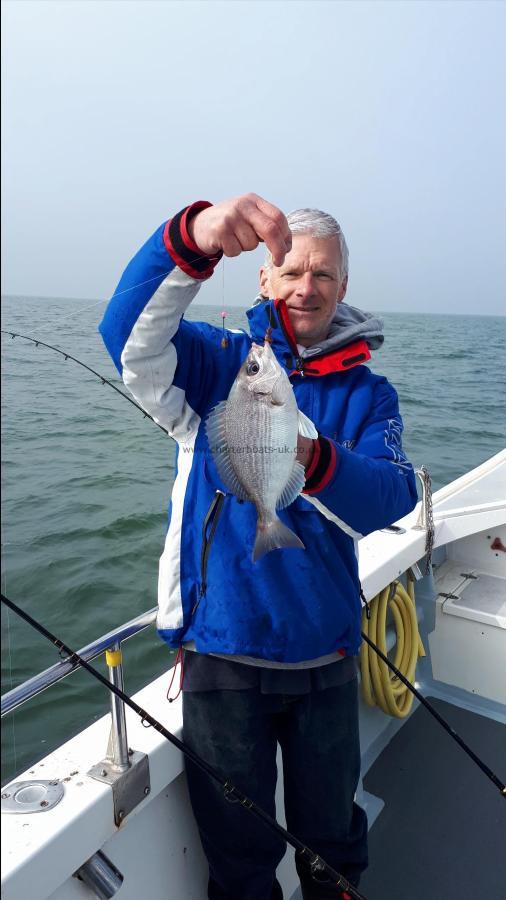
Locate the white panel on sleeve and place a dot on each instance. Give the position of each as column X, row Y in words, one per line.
column 170, row 604
column 149, row 358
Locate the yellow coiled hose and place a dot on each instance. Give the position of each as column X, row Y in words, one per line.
column 380, row 687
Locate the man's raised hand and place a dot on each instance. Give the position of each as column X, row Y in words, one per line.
column 242, row 224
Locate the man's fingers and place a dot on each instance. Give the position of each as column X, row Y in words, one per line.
column 231, row 246
column 247, row 236
column 269, row 231
column 272, row 212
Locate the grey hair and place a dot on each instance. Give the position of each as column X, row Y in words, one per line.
column 319, row 225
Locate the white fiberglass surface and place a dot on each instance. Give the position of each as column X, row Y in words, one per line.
column 483, row 600
column 488, row 486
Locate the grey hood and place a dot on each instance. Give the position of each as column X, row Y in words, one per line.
column 348, row 325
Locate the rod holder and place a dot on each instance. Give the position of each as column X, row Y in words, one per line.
column 117, row 750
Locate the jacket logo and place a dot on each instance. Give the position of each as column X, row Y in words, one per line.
column 393, row 443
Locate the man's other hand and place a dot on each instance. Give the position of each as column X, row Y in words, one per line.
column 305, row 450
column 242, row 224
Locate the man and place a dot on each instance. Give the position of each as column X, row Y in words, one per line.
column 270, row 646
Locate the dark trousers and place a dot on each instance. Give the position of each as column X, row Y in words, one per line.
column 237, row 732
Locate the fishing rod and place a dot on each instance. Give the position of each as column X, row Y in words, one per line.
column 428, row 706
column 317, row 865
column 103, row 379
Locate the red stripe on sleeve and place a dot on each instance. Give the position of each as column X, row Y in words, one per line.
column 188, row 214
column 187, row 253
column 314, row 459
column 316, row 488
column 177, row 258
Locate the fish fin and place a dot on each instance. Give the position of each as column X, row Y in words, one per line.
column 215, row 430
column 306, row 426
column 274, row 535
column 292, row 487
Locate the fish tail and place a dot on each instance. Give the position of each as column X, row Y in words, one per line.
column 274, row 535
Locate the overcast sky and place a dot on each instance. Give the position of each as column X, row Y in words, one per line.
column 389, row 115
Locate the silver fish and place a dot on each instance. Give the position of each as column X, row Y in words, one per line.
column 253, row 438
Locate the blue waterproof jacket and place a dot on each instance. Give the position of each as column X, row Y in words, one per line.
column 294, row 604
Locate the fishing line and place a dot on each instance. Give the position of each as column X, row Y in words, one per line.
column 132, row 287
column 53, row 325
column 317, row 865
column 224, row 337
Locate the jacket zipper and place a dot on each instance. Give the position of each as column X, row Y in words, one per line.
column 208, row 532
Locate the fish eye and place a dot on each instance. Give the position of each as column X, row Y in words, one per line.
column 253, row 368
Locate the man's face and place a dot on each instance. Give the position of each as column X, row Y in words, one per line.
column 310, row 283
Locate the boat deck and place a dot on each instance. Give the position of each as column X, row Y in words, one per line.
column 442, row 833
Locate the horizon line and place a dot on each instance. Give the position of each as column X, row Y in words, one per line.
column 404, row 312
